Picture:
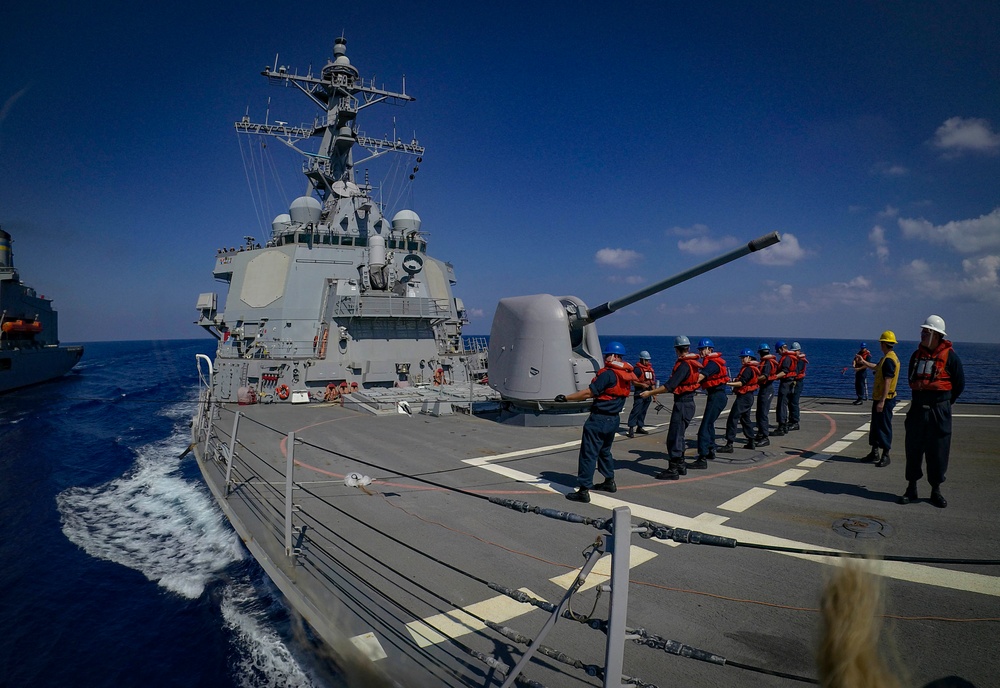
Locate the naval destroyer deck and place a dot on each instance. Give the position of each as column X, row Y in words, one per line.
column 400, row 570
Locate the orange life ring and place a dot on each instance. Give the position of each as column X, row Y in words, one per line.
column 282, row 391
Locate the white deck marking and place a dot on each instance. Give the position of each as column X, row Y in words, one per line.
column 482, row 460
column 440, row 627
column 741, row 503
column 711, row 519
column 810, row 463
column 601, row 573
column 857, row 434
column 914, row 573
column 837, row 447
column 785, row 477
column 369, row 646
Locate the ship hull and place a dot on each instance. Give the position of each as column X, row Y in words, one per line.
column 33, row 365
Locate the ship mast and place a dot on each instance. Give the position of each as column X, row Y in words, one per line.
column 341, row 93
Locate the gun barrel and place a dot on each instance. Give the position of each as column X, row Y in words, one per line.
column 611, row 306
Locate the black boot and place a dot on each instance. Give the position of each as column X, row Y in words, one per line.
column 762, row 442
column 884, row 461
column 727, row 449
column 642, row 431
column 909, row 496
column 607, row 486
column 750, row 445
column 631, row 432
column 937, row 499
column 793, row 426
column 780, row 431
column 581, row 495
column 670, row 472
column 872, row 456
column 700, row 464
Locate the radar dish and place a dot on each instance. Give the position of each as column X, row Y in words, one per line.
column 345, row 189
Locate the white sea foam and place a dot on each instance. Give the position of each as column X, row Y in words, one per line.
column 154, row 521
column 264, row 661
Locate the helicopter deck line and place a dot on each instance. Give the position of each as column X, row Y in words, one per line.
column 412, row 560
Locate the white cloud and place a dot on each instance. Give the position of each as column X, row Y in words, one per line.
column 979, row 281
column 877, row 237
column 617, row 257
column 704, row 245
column 888, row 211
column 693, row 230
column 885, row 169
column 964, row 236
column 961, row 135
column 475, row 312
column 786, row 252
column 857, row 294
column 858, row 282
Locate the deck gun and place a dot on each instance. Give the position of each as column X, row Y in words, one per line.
column 543, row 345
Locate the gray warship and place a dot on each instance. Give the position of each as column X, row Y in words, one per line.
column 29, row 339
column 403, row 487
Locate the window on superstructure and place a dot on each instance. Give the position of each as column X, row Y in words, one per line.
column 347, row 241
column 361, row 241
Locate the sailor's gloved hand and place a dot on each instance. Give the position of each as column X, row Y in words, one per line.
column 560, row 398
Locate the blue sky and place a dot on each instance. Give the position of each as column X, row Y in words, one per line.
column 572, row 148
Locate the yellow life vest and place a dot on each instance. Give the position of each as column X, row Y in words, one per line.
column 881, row 383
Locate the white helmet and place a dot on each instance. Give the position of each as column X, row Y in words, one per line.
column 936, row 323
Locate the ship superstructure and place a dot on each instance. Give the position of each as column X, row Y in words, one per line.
column 339, row 297
column 29, row 337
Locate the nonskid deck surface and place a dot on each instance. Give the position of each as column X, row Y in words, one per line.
column 398, row 556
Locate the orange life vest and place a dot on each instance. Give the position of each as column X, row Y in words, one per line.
column 644, row 371
column 769, row 367
column 751, row 386
column 720, row 378
column 624, row 377
column 792, row 373
column 803, row 363
column 690, row 383
column 929, row 370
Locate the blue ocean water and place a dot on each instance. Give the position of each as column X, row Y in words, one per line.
column 118, row 568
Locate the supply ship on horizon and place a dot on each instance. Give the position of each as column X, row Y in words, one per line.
column 29, row 340
column 404, row 487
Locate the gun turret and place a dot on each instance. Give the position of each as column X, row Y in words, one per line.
column 544, row 345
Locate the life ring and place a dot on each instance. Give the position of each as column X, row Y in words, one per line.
column 282, row 391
